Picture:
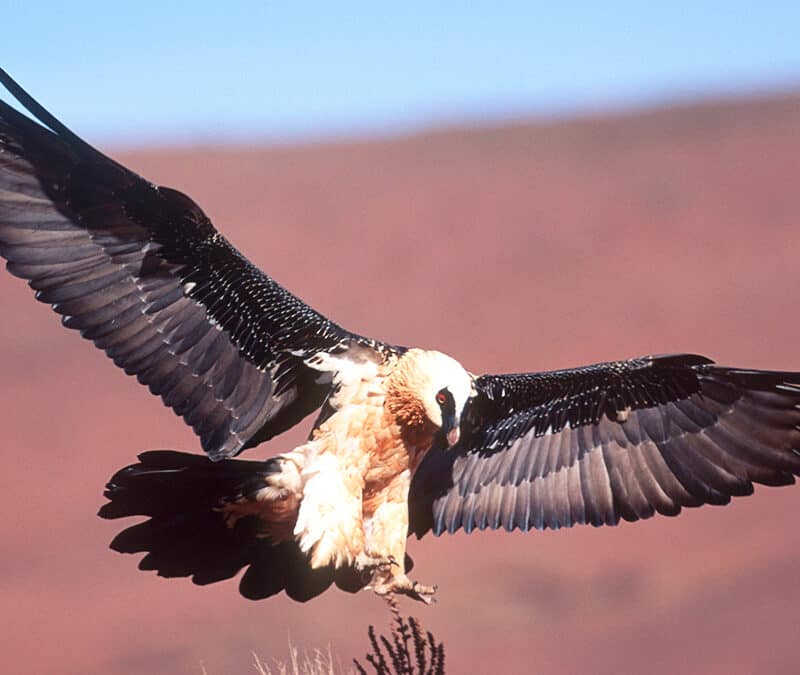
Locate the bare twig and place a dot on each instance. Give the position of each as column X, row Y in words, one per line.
column 427, row 657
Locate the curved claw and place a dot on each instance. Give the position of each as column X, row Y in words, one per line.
column 367, row 565
column 423, row 593
column 413, row 589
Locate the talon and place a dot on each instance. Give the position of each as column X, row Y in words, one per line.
column 367, row 566
column 424, row 593
column 404, row 585
column 423, row 590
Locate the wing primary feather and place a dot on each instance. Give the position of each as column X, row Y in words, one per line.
column 32, row 106
column 619, row 440
column 108, row 249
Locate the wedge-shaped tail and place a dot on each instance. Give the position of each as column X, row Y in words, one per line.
column 187, row 534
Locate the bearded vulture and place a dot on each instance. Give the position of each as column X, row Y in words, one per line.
column 406, row 441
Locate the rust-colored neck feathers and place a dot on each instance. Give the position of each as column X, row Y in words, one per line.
column 404, row 390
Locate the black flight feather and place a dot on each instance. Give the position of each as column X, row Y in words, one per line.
column 140, row 270
column 611, row 441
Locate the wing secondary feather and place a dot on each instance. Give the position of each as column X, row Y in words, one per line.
column 140, row 270
column 612, row 441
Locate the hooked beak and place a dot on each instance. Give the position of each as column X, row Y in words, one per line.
column 452, row 436
column 452, row 429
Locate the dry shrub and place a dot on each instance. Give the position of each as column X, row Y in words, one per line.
column 407, row 650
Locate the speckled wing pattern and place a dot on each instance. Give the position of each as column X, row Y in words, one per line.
column 611, row 441
column 140, row 270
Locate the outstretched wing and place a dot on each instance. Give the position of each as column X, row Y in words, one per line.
column 140, row 270
column 610, row 441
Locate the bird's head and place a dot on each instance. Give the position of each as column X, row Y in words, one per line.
column 428, row 386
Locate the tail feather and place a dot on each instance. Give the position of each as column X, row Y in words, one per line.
column 285, row 568
column 186, row 537
column 166, row 482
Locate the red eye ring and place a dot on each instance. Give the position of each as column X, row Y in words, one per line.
column 441, row 398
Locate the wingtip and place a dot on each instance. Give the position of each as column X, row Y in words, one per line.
column 40, row 113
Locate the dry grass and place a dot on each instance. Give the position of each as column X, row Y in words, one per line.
column 318, row 662
column 408, row 649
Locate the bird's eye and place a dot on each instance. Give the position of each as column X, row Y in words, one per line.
column 441, row 398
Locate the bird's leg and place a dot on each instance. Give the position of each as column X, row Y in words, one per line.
column 329, row 526
column 368, row 567
column 387, row 527
column 405, row 586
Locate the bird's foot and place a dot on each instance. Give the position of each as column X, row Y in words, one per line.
column 403, row 585
column 368, row 566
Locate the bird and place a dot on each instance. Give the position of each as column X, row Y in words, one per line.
column 406, row 441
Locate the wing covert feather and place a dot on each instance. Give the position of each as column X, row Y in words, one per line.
column 612, row 441
column 140, row 270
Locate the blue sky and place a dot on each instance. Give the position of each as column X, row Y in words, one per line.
column 148, row 71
